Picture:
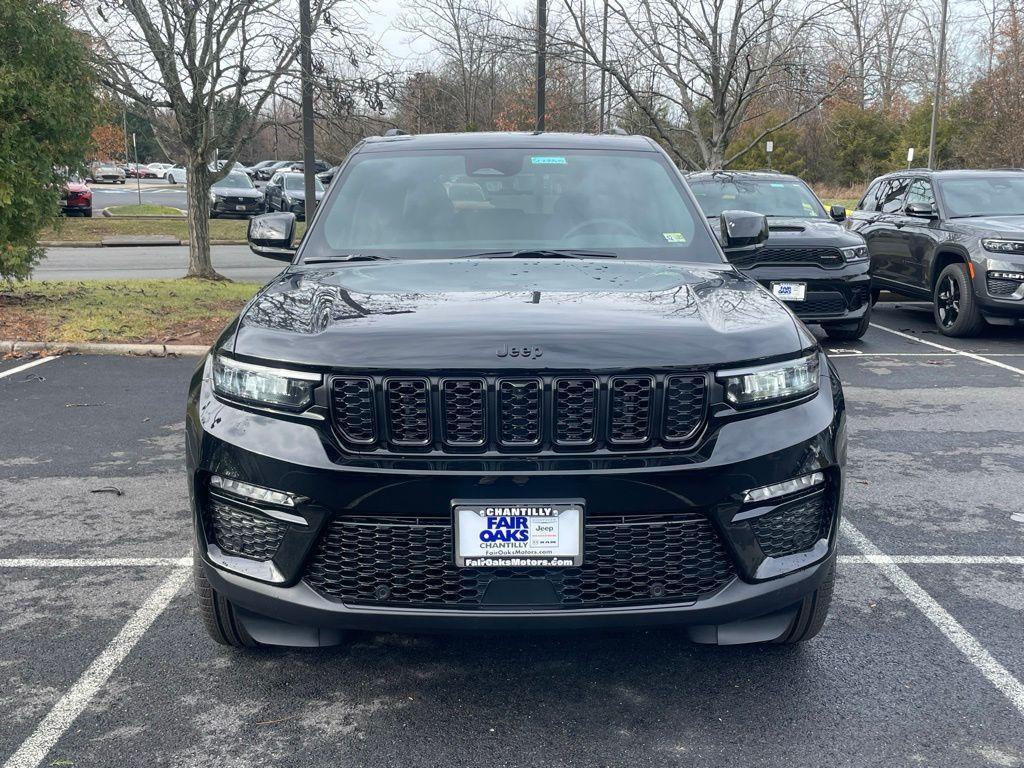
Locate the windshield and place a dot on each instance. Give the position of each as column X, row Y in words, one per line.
column 295, row 182
column 995, row 195
column 234, row 179
column 443, row 203
column 771, row 197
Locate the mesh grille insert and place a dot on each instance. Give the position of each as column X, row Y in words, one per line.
column 519, row 404
column 408, row 410
column 354, row 412
column 244, row 533
column 794, row 527
column 777, row 254
column 684, row 406
column 1000, row 286
column 410, row 562
column 575, row 411
column 630, row 420
column 464, row 405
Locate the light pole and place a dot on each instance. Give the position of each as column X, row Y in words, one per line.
column 937, row 97
column 604, row 61
column 542, row 39
column 306, row 79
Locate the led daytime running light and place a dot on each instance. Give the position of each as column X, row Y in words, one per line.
column 784, row 488
column 253, row 492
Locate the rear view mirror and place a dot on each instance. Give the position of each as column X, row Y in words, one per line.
column 742, row 230
column 922, row 210
column 272, row 235
column 837, row 212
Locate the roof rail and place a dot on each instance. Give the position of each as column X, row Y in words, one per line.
column 395, row 132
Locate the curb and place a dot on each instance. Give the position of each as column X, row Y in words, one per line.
column 98, row 348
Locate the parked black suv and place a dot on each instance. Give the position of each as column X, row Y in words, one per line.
column 819, row 269
column 955, row 238
column 549, row 403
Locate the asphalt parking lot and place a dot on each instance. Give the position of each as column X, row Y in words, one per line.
column 921, row 663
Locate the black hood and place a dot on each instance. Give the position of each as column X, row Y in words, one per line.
column 451, row 314
column 819, row 232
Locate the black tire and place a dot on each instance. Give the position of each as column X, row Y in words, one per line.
column 875, row 293
column 849, row 331
column 218, row 614
column 87, row 212
column 214, row 214
column 953, row 304
column 812, row 612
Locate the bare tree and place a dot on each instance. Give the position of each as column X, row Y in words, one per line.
column 462, row 34
column 210, row 66
column 713, row 62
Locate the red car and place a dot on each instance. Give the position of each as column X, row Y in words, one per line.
column 76, row 198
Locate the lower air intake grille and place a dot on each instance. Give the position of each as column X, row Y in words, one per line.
column 819, row 303
column 243, row 533
column 998, row 286
column 626, row 560
column 794, row 527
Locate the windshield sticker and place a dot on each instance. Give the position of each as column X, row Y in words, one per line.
column 674, row 237
column 548, row 160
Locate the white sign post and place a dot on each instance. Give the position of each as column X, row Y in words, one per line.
column 910, row 156
column 769, row 147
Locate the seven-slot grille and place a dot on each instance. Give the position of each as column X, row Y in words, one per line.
column 794, row 254
column 517, row 413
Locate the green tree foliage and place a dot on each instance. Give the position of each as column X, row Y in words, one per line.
column 915, row 132
column 786, row 154
column 865, row 142
column 46, row 115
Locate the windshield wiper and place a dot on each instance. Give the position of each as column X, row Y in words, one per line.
column 542, row 253
column 345, row 257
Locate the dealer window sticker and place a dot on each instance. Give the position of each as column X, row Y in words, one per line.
column 547, row 160
column 674, row 237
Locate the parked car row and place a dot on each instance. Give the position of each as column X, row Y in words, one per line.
column 954, row 238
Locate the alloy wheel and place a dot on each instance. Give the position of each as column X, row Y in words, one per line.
column 948, row 301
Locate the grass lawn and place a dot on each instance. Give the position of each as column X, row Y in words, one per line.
column 149, row 311
column 79, row 229
column 146, row 209
column 848, row 203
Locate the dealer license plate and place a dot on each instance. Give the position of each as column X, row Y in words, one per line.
column 518, row 534
column 790, row 291
column 240, row 207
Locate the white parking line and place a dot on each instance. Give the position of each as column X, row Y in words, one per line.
column 94, row 562
column 62, row 716
column 26, row 366
column 964, row 641
column 972, row 355
column 934, row 559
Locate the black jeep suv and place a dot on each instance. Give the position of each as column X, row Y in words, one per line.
column 955, row 238
column 510, row 381
column 819, row 269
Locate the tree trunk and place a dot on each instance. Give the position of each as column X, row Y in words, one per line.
column 199, row 262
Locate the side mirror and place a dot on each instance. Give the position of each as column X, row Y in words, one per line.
column 837, row 212
column 271, row 235
column 922, row 210
column 742, row 230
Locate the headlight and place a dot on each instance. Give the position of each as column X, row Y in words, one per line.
column 855, row 254
column 260, row 384
column 1003, row 246
column 771, row 383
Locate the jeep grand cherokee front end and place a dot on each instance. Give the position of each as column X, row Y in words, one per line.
column 509, row 381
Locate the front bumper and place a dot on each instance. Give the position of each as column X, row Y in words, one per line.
column 239, row 207
column 279, row 598
column 833, row 295
column 999, row 290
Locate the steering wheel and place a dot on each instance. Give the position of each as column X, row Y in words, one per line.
column 618, row 224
